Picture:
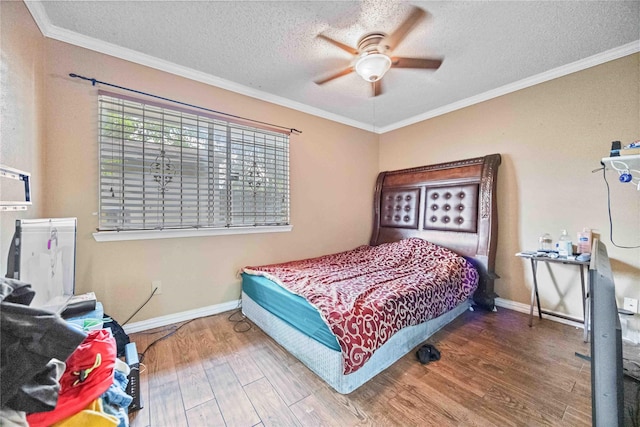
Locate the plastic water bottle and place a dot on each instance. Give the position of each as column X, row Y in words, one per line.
column 584, row 241
column 565, row 246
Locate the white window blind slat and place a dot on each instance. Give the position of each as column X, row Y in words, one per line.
column 163, row 168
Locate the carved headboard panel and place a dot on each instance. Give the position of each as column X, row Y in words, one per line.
column 452, row 204
column 401, row 208
column 452, row 208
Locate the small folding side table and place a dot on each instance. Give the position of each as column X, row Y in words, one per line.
column 582, row 265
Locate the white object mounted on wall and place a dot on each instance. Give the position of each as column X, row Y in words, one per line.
column 18, row 175
column 628, row 168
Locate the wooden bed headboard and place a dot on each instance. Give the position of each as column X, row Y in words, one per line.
column 451, row 204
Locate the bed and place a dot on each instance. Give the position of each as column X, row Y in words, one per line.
column 437, row 218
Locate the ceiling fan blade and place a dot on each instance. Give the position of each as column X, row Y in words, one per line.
column 342, row 46
column 335, row 76
column 398, row 62
column 392, row 40
column 377, row 87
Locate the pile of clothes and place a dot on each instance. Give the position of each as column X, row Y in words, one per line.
column 54, row 374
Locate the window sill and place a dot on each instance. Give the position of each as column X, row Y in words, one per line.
column 114, row 236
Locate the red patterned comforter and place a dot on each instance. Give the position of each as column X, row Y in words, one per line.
column 367, row 294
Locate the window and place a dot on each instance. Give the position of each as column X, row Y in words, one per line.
column 170, row 168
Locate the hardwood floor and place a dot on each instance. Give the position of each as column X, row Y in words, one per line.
column 494, row 371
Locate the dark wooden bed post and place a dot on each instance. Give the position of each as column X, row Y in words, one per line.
column 452, row 204
column 488, row 231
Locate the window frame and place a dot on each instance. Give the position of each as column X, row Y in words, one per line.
column 279, row 171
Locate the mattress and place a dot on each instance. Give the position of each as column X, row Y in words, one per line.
column 292, row 309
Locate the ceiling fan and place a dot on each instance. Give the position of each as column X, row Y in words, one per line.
column 372, row 59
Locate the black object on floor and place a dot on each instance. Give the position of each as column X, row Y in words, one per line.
column 428, row 353
column 133, row 385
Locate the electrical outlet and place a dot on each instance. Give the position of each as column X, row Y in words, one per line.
column 631, row 304
column 157, row 284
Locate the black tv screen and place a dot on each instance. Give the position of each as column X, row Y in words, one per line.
column 607, row 388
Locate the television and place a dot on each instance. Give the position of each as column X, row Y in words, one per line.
column 607, row 370
column 43, row 254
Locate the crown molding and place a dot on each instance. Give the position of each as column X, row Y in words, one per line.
column 51, row 31
column 39, row 15
column 582, row 64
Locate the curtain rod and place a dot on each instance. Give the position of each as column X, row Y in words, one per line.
column 94, row 82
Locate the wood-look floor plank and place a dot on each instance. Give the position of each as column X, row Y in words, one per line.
column 212, row 336
column 241, row 347
column 191, row 376
column 575, row 417
column 522, row 339
column 509, row 401
column 528, row 352
column 235, row 406
column 245, row 367
column 483, row 366
column 547, row 398
column 579, row 400
column 314, row 410
column 282, row 355
column 279, row 375
column 467, row 385
column 374, row 396
column 531, row 356
column 206, row 414
column 273, row 411
column 412, row 410
column 165, row 397
column 465, row 405
column 348, row 404
column 165, row 405
column 306, row 378
column 499, row 402
column 523, row 368
column 383, row 400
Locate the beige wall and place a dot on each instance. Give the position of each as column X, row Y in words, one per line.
column 551, row 137
column 21, row 119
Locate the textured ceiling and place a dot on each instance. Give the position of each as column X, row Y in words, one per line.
column 269, row 49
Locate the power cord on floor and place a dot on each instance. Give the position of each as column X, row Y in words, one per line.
column 142, row 355
column 240, row 324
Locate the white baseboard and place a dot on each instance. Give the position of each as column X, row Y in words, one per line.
column 525, row 308
column 169, row 319
column 158, row 322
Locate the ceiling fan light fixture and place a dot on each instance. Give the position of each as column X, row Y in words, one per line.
column 372, row 67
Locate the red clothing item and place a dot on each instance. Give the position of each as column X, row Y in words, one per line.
column 89, row 373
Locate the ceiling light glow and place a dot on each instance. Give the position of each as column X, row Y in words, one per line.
column 372, row 67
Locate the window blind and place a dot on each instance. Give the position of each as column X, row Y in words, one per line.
column 166, row 168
